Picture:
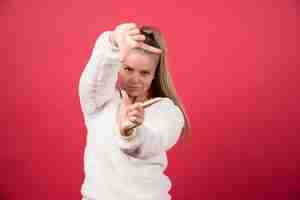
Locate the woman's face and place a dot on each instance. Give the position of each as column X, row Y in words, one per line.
column 137, row 73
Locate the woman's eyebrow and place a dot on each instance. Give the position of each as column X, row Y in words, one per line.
column 128, row 66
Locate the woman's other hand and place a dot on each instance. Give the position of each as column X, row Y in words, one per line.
column 131, row 114
column 127, row 36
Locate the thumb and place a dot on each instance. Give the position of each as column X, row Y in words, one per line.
column 151, row 101
column 125, row 98
column 123, row 52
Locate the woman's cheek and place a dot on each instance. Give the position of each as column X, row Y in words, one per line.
column 148, row 84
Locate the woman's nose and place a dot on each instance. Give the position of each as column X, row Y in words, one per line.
column 136, row 78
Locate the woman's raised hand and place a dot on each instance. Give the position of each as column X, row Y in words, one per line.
column 131, row 114
column 127, row 36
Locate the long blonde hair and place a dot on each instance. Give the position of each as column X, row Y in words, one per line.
column 162, row 85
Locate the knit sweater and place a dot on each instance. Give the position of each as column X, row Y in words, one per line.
column 117, row 168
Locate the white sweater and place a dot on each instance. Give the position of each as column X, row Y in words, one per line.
column 115, row 168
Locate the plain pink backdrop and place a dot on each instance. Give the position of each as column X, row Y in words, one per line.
column 235, row 66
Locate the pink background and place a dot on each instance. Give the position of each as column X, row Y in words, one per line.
column 234, row 63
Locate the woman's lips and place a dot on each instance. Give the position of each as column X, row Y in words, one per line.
column 133, row 87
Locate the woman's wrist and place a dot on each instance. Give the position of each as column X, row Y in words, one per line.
column 126, row 133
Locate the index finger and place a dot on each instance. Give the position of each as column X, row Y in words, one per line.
column 147, row 47
column 150, row 102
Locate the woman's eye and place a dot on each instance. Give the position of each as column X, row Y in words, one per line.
column 127, row 69
column 145, row 73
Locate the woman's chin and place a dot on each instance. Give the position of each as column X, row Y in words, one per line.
column 137, row 96
column 133, row 94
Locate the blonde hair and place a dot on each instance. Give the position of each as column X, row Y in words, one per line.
column 162, row 85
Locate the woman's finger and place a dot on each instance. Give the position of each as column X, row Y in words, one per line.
column 151, row 101
column 134, row 31
column 132, row 125
column 137, row 116
column 135, row 120
column 126, row 100
column 138, row 106
column 149, row 48
column 138, row 38
column 123, row 52
column 130, row 25
column 135, row 113
column 129, row 125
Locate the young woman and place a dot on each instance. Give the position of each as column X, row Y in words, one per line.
column 131, row 122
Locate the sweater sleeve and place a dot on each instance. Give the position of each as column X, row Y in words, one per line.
column 98, row 79
column 159, row 132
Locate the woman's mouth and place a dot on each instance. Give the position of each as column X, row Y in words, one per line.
column 133, row 87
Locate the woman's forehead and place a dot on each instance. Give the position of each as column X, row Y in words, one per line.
column 141, row 59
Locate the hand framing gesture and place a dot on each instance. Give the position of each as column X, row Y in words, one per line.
column 131, row 114
column 127, row 36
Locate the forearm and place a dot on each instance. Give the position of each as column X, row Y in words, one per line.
column 98, row 79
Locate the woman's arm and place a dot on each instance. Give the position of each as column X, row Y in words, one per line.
column 158, row 133
column 98, row 79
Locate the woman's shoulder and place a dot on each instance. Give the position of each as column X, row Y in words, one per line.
column 165, row 110
column 166, row 101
